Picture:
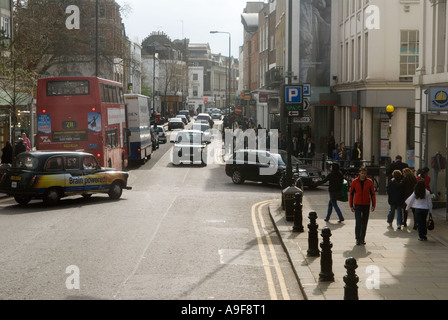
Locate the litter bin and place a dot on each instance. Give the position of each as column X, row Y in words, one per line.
column 288, row 201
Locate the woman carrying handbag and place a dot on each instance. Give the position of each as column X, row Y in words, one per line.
column 421, row 201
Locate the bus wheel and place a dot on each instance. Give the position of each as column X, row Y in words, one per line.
column 115, row 191
column 52, row 197
column 22, row 200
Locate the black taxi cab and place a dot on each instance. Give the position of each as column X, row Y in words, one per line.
column 52, row 175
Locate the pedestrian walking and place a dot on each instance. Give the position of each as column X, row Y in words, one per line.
column 362, row 200
column 398, row 164
column 20, row 146
column 423, row 175
column 335, row 179
column 408, row 183
column 421, row 201
column 356, row 155
column 341, row 155
column 395, row 198
column 7, row 153
column 26, row 141
column 310, row 150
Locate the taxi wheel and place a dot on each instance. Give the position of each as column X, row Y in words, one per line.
column 52, row 197
column 22, row 200
column 237, row 177
column 115, row 191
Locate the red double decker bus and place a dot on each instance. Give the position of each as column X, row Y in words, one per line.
column 84, row 114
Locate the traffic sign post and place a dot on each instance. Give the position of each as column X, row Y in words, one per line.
column 293, row 101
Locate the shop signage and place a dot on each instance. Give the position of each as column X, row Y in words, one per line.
column 438, row 99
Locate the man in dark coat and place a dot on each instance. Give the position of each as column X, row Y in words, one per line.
column 20, row 147
column 7, row 153
column 398, row 164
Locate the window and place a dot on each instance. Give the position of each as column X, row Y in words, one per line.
column 72, row 163
column 112, row 138
column 89, row 163
column 409, row 51
column 111, row 94
column 54, row 163
column 6, row 27
column 68, row 88
column 195, row 76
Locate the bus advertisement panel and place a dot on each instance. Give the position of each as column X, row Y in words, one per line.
column 140, row 144
column 83, row 114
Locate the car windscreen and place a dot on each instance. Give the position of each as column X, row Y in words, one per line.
column 201, row 127
column 26, row 161
column 294, row 159
column 279, row 160
column 188, row 138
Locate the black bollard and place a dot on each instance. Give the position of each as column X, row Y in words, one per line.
column 351, row 280
column 313, row 247
column 298, row 218
column 326, row 261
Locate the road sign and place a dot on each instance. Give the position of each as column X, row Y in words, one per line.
column 293, row 94
column 303, row 120
column 293, row 100
column 306, row 104
column 307, row 90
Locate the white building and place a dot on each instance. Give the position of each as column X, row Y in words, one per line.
column 377, row 53
column 196, row 89
column 431, row 93
column 135, row 66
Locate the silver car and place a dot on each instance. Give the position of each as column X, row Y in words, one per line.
column 162, row 134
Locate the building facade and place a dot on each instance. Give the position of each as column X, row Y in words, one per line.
column 431, row 95
column 378, row 51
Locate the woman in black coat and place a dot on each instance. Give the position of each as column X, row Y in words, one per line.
column 335, row 179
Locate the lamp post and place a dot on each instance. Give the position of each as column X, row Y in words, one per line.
column 390, row 112
column 228, row 87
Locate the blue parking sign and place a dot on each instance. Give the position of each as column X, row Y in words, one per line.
column 293, row 94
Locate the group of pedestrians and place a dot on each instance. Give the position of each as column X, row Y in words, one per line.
column 406, row 192
column 23, row 144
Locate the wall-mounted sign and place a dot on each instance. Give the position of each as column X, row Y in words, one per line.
column 438, row 99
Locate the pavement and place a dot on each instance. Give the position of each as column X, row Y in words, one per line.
column 393, row 265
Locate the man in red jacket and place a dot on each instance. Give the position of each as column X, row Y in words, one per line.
column 362, row 194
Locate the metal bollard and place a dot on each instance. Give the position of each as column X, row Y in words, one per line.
column 351, row 280
column 298, row 218
column 313, row 248
column 326, row 261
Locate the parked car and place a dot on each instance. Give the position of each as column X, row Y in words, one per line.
column 258, row 165
column 162, row 134
column 185, row 113
column 52, row 175
column 190, row 146
column 175, row 123
column 183, row 117
column 154, row 139
column 307, row 173
column 206, row 117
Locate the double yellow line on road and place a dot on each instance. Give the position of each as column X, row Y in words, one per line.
column 6, row 199
column 258, row 208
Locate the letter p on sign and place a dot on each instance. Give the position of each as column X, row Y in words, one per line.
column 294, row 95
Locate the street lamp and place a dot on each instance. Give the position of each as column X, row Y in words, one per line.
column 230, row 66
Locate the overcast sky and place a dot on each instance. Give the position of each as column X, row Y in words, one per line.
column 191, row 19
